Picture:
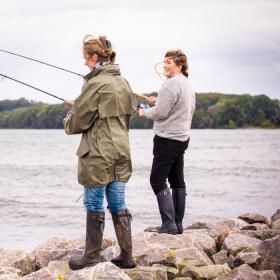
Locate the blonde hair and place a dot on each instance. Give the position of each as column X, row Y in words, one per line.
column 101, row 47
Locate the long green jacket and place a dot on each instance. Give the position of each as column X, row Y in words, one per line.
column 101, row 113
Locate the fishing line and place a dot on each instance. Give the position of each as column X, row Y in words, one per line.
column 41, row 62
column 50, row 94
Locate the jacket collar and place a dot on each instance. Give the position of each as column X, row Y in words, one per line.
column 102, row 68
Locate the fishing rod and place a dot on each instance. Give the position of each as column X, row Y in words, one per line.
column 7, row 77
column 42, row 62
column 141, row 96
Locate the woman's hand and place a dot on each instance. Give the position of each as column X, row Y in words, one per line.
column 69, row 102
column 141, row 113
column 151, row 100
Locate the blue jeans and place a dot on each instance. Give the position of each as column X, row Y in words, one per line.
column 115, row 196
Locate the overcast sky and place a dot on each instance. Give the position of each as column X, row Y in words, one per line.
column 233, row 46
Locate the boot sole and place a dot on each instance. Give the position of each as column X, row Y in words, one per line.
column 125, row 266
column 77, row 267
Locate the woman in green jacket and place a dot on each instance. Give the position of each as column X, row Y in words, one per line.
column 101, row 114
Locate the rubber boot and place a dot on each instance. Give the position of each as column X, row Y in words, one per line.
column 94, row 236
column 122, row 225
column 166, row 209
column 179, row 201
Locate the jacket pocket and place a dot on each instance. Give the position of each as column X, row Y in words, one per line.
column 84, row 147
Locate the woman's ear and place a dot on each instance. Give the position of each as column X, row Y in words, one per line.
column 95, row 58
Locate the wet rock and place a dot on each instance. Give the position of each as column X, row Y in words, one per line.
column 269, row 251
column 206, row 272
column 249, row 257
column 245, row 272
column 237, row 242
column 17, row 259
column 42, row 274
column 10, row 273
column 252, row 218
column 220, row 257
column 147, row 273
column 256, row 226
column 107, row 271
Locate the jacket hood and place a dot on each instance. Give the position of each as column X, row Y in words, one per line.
column 110, row 69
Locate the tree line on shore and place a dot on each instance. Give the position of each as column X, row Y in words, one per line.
column 213, row 110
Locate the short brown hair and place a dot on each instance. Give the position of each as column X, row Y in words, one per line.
column 101, row 47
column 180, row 59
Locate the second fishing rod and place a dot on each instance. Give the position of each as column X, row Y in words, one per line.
column 69, row 102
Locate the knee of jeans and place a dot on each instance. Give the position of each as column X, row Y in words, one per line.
column 94, row 207
column 115, row 206
column 93, row 199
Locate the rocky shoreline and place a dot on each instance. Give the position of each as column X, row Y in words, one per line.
column 243, row 248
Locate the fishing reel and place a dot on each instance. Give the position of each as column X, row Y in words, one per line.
column 143, row 105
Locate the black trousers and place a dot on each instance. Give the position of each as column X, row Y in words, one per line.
column 168, row 163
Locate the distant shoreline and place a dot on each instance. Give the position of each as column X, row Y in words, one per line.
column 213, row 111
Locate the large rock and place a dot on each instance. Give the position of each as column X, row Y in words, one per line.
column 60, row 248
column 220, row 257
column 275, row 220
column 55, row 248
column 256, row 226
column 107, row 271
column 269, row 251
column 172, row 272
column 17, row 259
column 249, row 257
column 42, row 274
column 198, row 239
column 245, row 272
column 147, row 273
column 252, row 218
column 10, row 273
column 236, row 242
column 151, row 248
column 191, row 256
column 262, row 234
column 221, row 226
column 206, row 272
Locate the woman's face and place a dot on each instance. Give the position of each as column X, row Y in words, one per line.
column 170, row 67
column 90, row 61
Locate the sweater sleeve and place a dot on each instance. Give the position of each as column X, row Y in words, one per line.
column 166, row 100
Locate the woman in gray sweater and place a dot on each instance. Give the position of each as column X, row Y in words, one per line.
column 172, row 113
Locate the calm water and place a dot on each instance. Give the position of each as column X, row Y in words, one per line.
column 228, row 172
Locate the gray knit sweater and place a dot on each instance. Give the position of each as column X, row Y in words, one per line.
column 174, row 108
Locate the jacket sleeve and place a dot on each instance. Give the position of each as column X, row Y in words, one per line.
column 166, row 100
column 84, row 112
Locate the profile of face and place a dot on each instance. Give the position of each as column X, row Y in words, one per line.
column 170, row 67
column 90, row 61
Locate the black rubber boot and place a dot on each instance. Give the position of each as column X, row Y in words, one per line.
column 166, row 209
column 179, row 201
column 94, row 236
column 122, row 225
